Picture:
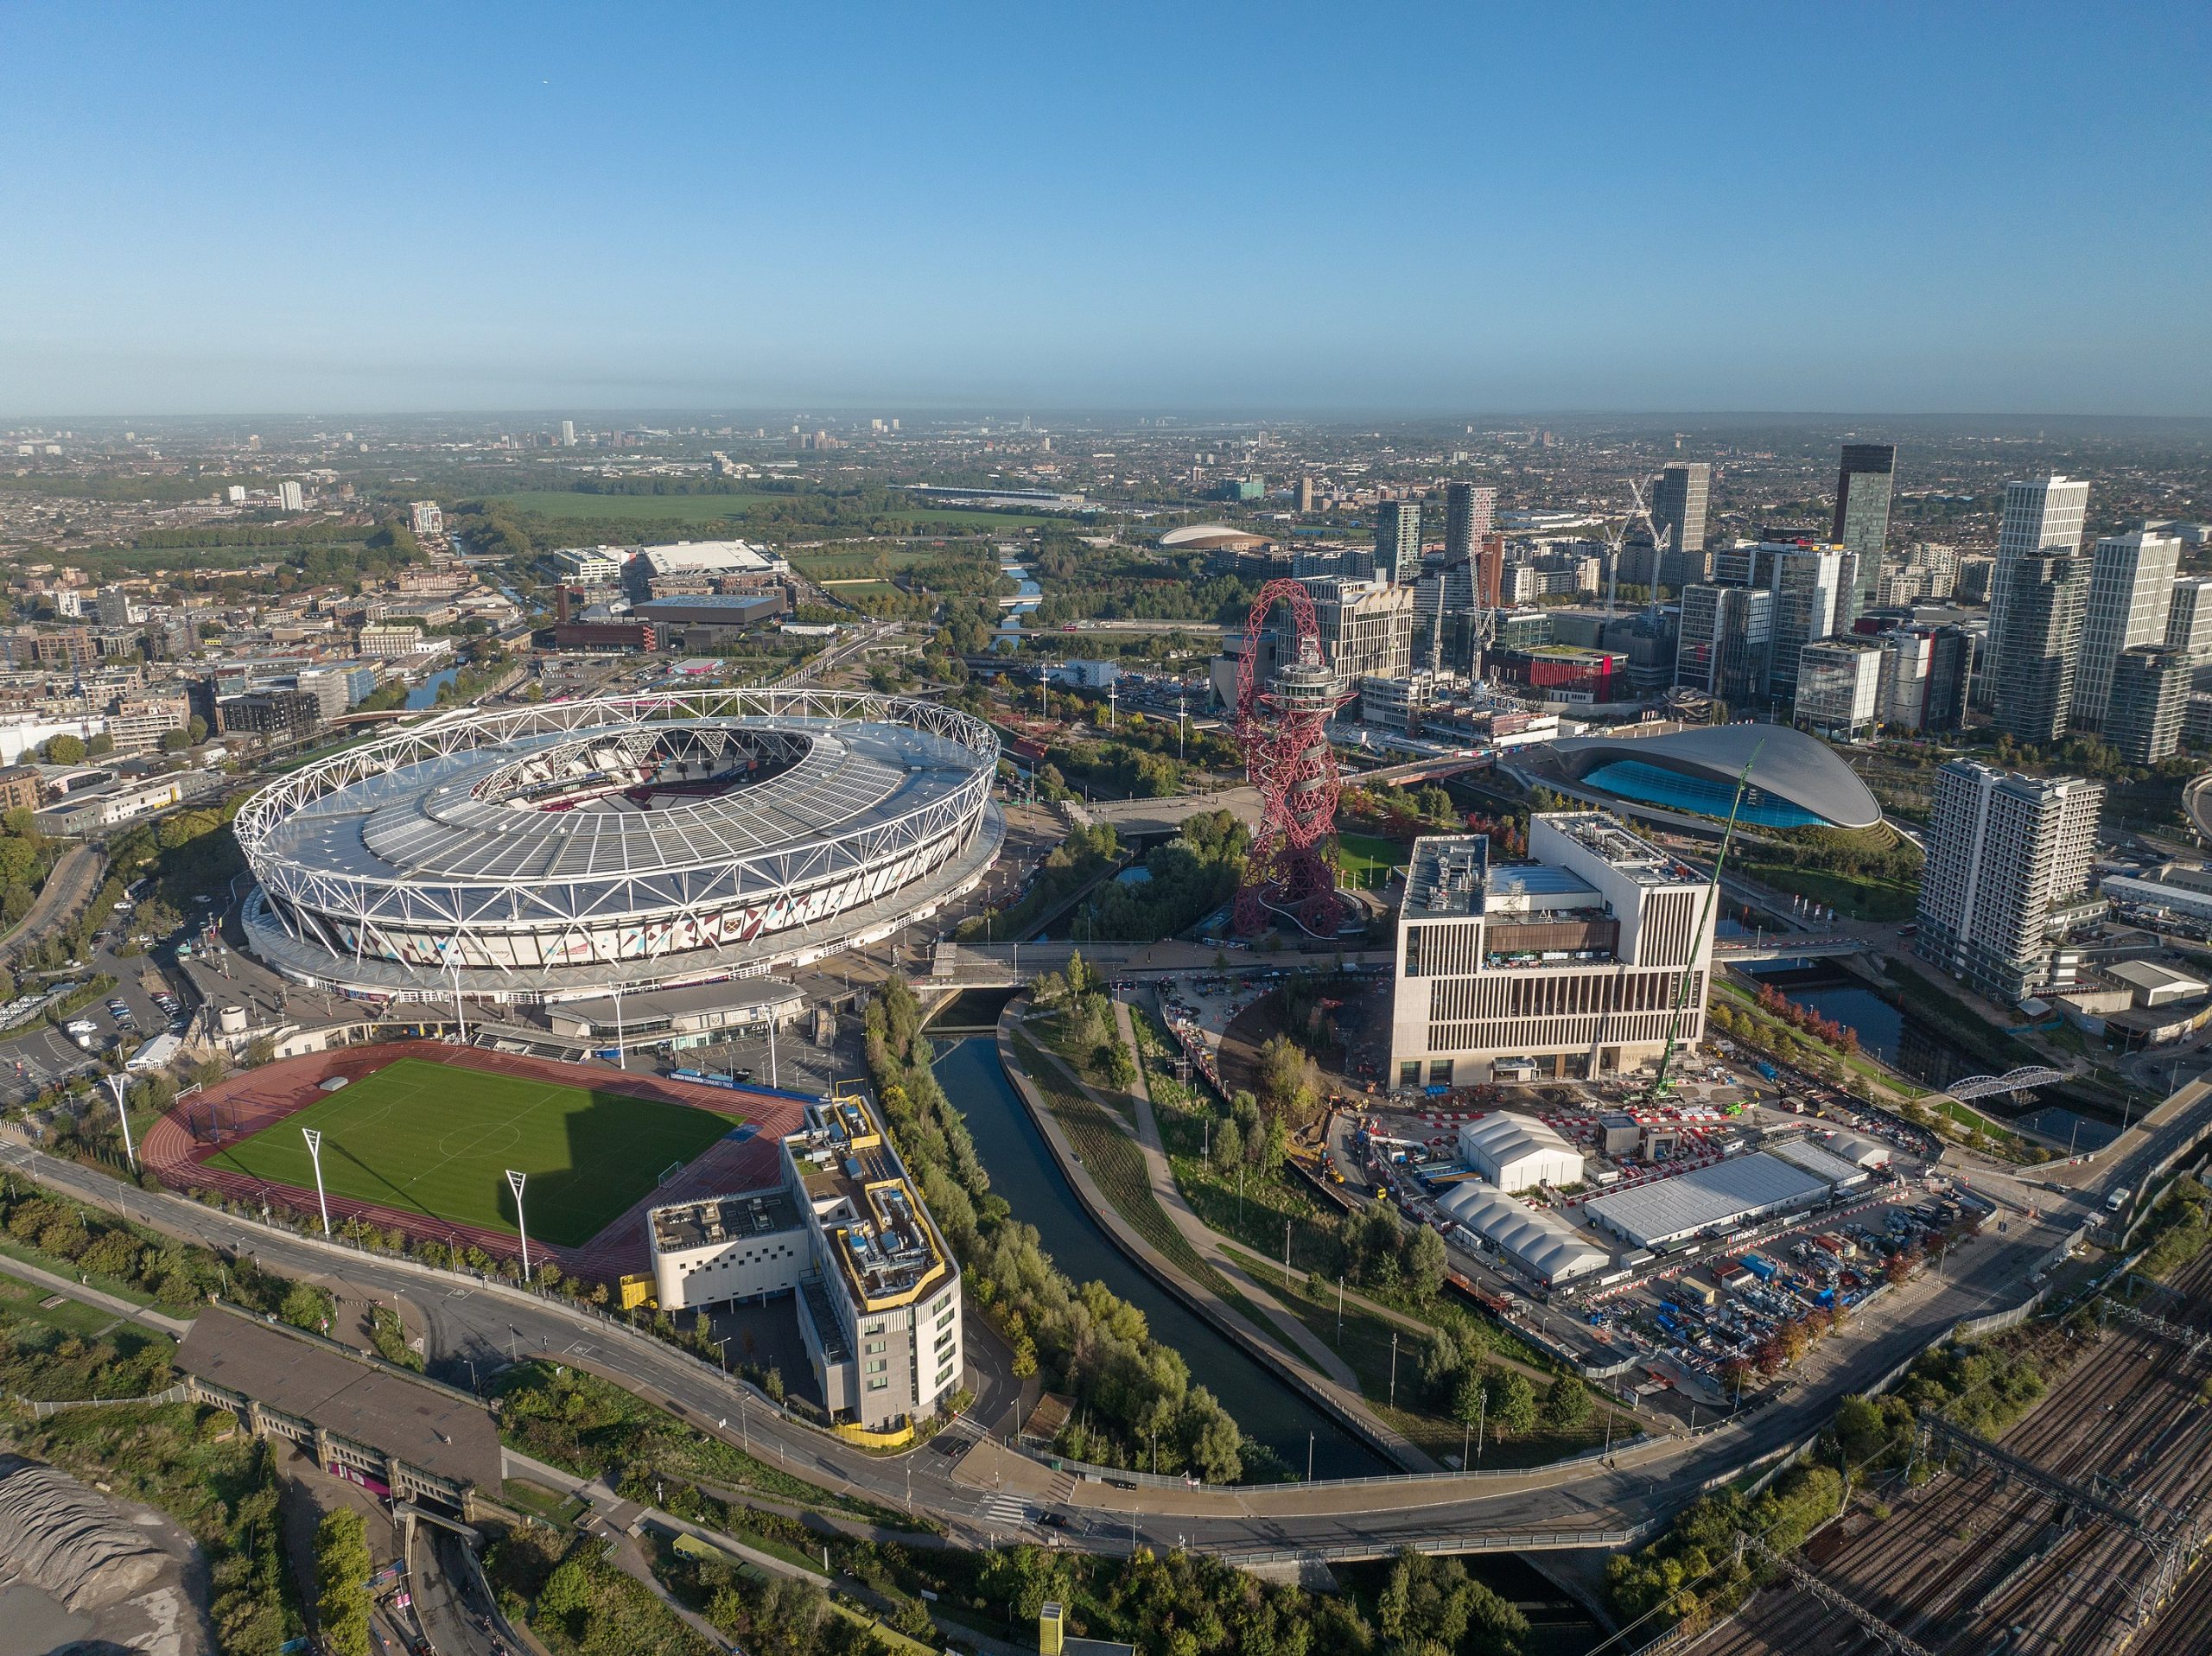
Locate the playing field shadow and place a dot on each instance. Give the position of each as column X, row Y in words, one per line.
column 618, row 1147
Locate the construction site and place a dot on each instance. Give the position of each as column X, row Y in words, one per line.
column 2073, row 1535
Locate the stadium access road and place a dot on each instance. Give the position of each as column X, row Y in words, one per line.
column 472, row 1329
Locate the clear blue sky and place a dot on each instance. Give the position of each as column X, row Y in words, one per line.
column 1946, row 207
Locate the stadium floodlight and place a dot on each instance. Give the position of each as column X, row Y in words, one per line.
column 119, row 1084
column 453, row 965
column 315, row 1152
column 515, row 1184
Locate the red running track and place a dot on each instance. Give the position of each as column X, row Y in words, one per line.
column 260, row 1098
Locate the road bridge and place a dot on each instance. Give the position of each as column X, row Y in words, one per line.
column 2012, row 1080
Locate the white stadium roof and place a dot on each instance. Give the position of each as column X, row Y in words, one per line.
column 1547, row 1246
column 1727, row 1191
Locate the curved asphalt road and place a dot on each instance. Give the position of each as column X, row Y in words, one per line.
column 469, row 1324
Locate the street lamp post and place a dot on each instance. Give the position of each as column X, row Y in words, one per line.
column 621, row 1054
column 314, row 1154
column 119, row 1084
column 515, row 1184
column 773, row 1081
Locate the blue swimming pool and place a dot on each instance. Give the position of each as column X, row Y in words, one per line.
column 1650, row 785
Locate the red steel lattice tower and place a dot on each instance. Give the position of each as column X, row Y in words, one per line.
column 1283, row 729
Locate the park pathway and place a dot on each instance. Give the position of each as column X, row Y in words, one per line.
column 1194, row 1230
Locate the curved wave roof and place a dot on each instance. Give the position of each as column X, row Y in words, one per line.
column 1792, row 768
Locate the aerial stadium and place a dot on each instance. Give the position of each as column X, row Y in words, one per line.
column 526, row 856
column 1795, row 780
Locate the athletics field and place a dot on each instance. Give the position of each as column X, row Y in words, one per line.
column 418, row 1137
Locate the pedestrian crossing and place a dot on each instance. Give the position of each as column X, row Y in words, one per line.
column 1010, row 1510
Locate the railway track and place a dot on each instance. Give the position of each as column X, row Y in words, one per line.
column 1984, row 1559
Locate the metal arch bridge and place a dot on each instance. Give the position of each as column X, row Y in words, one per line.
column 2012, row 1080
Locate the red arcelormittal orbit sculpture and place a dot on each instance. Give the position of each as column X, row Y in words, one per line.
column 1283, row 729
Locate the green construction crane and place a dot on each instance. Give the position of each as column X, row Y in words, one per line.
column 1662, row 1087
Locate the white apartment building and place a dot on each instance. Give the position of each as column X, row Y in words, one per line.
column 590, row 566
column 2038, row 516
column 289, row 497
column 1367, row 628
column 424, row 518
column 2005, row 853
column 2131, row 591
column 2189, row 621
column 384, row 642
column 845, row 1234
column 1840, row 687
column 1570, row 963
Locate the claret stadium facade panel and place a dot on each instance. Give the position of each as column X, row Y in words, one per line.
column 531, row 855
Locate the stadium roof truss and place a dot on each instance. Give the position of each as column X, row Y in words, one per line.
column 432, row 830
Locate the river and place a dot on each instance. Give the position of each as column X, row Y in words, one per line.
column 1023, row 1171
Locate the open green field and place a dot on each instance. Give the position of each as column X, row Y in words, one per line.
column 718, row 508
column 1367, row 859
column 436, row 1139
column 25, row 1299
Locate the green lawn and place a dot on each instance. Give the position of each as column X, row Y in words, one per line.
column 23, row 1300
column 697, row 509
column 1852, row 896
column 436, row 1139
column 1367, row 859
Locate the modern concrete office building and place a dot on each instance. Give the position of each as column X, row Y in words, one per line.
column 1572, row 962
column 2004, row 853
column 2044, row 515
column 1862, row 515
column 876, row 1290
column 2044, row 607
column 2131, row 593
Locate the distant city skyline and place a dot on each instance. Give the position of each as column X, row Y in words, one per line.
column 1146, row 207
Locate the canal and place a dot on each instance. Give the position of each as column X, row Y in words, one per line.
column 1023, row 1171
column 425, row 694
column 1919, row 1051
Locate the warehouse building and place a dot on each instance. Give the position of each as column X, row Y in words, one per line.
column 1838, row 1170
column 1518, row 1152
column 1540, row 1244
column 1715, row 1198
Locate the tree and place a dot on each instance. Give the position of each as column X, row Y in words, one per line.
column 175, row 741
column 1512, row 1403
column 1567, row 1403
column 1287, row 1079
column 195, row 730
column 65, row 749
column 341, row 1575
column 1426, row 1264
column 101, row 744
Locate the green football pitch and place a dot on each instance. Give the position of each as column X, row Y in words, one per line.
column 435, row 1139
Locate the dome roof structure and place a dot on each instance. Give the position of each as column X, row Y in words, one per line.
column 1797, row 780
